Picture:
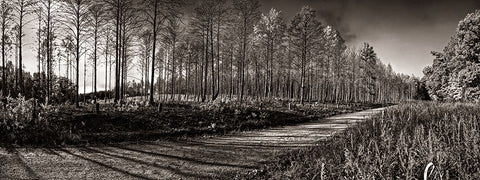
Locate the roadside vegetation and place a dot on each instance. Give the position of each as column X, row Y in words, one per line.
column 396, row 144
column 26, row 122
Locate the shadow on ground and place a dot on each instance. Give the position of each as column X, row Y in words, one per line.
column 197, row 158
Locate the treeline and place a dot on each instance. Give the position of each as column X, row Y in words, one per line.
column 35, row 86
column 195, row 50
column 455, row 73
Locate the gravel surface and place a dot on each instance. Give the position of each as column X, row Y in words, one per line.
column 195, row 158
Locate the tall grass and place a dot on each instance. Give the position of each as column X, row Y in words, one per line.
column 396, row 144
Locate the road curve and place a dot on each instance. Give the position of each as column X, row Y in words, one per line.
column 197, row 158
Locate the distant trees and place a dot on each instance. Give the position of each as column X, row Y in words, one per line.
column 146, row 40
column 455, row 73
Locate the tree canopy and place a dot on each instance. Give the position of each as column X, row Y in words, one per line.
column 455, row 73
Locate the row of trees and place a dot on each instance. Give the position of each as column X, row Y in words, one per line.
column 197, row 51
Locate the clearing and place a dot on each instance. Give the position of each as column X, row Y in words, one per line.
column 193, row 158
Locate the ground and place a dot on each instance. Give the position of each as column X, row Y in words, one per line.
column 191, row 158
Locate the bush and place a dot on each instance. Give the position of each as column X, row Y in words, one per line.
column 22, row 120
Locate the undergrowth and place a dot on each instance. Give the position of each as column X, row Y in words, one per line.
column 28, row 123
column 397, row 144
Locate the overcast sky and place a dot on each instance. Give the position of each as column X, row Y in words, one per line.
column 402, row 32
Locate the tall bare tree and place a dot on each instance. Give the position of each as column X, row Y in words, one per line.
column 49, row 8
column 22, row 8
column 305, row 30
column 270, row 30
column 97, row 20
column 171, row 35
column 6, row 18
column 247, row 11
column 75, row 21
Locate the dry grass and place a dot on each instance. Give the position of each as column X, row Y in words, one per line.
column 397, row 144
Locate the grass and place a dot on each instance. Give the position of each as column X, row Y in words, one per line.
column 395, row 145
column 27, row 124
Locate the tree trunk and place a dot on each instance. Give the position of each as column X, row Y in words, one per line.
column 77, row 50
column 117, row 54
column 95, row 64
column 20, row 57
column 153, row 51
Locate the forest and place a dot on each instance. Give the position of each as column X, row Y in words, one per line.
column 222, row 89
column 169, row 50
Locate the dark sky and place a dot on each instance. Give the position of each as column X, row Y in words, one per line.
column 402, row 32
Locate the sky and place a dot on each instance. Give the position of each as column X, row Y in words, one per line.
column 402, row 32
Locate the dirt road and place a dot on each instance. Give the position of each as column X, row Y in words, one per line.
column 198, row 158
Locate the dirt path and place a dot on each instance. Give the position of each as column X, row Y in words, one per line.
column 197, row 158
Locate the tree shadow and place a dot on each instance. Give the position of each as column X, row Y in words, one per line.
column 19, row 159
column 258, row 146
column 173, row 170
column 51, row 151
column 184, row 158
column 106, row 165
column 186, row 148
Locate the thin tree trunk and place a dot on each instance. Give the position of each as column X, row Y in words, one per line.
column 117, row 54
column 153, row 52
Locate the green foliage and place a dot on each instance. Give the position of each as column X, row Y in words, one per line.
column 454, row 75
column 395, row 145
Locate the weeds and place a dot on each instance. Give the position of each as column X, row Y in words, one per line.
column 24, row 122
column 395, row 145
column 23, row 119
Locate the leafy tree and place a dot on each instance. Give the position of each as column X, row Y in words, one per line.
column 368, row 62
column 455, row 73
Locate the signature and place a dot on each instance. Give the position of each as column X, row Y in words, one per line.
column 426, row 173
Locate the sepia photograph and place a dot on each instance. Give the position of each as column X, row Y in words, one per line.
column 239, row 89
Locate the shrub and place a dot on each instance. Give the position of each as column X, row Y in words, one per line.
column 22, row 119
